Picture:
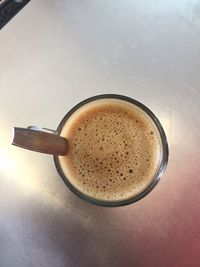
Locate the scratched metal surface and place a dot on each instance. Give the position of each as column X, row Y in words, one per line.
column 54, row 54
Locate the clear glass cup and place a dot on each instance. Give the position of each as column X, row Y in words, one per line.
column 51, row 142
column 154, row 180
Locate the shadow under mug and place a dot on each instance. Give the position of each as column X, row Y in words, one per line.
column 50, row 142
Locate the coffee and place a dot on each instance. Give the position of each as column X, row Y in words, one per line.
column 114, row 149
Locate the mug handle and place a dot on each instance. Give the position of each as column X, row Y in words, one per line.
column 40, row 140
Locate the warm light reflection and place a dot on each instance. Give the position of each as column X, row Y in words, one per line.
column 16, row 168
column 172, row 126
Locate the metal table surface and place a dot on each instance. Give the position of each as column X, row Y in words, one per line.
column 54, row 54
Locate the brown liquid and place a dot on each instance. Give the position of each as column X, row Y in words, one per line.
column 114, row 150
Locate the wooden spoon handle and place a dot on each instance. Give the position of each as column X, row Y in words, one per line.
column 40, row 141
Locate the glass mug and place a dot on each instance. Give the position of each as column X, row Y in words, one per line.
column 52, row 142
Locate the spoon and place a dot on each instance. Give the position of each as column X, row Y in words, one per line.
column 40, row 140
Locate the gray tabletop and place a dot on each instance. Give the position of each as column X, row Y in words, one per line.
column 54, row 54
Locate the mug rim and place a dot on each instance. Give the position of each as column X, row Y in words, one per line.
column 157, row 175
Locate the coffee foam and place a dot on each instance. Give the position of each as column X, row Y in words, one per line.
column 114, row 150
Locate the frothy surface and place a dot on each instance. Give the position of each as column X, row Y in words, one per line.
column 114, row 149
